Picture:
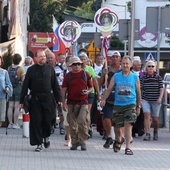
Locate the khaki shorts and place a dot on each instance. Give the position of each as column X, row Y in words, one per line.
column 124, row 114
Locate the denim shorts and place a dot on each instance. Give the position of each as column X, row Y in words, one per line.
column 107, row 111
column 90, row 98
column 151, row 107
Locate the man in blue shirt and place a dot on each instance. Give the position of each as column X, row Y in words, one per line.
column 125, row 110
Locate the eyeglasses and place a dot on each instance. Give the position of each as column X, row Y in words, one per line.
column 151, row 66
column 76, row 64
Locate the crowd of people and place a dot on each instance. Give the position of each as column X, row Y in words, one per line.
column 128, row 93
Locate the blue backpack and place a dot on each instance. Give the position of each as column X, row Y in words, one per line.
column 13, row 76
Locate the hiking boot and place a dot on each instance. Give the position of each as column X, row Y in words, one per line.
column 38, row 148
column 83, row 147
column 46, row 143
column 155, row 135
column 74, row 147
column 147, row 137
column 108, row 142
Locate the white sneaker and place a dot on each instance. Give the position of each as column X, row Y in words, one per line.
column 15, row 126
column 10, row 126
column 68, row 143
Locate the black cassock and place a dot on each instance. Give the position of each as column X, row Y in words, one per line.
column 45, row 92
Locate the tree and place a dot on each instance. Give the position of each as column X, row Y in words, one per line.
column 85, row 10
column 41, row 12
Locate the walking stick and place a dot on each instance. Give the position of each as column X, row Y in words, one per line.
column 6, row 112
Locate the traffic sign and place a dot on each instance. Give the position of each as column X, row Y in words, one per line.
column 150, row 56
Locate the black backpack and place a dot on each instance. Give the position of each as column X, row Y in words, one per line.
column 13, row 76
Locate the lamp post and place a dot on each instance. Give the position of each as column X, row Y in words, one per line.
column 125, row 42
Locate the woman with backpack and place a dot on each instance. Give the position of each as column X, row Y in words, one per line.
column 5, row 91
column 16, row 75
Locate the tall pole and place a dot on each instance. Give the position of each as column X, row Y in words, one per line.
column 158, row 41
column 125, row 41
column 132, row 26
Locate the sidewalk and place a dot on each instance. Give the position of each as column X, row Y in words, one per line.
column 17, row 154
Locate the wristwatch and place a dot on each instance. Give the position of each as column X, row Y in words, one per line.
column 139, row 106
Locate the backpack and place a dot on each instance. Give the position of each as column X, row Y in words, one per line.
column 83, row 76
column 13, row 76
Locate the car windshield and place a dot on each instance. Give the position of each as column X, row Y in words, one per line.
column 167, row 78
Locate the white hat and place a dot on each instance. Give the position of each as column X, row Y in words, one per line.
column 83, row 54
column 74, row 60
column 136, row 58
column 111, row 53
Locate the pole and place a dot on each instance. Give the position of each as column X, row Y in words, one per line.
column 159, row 36
column 131, row 43
column 125, row 42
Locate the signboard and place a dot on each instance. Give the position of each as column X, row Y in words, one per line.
column 105, row 20
column 69, row 32
column 150, row 56
column 39, row 40
column 88, row 27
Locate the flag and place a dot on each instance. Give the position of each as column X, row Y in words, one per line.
column 58, row 45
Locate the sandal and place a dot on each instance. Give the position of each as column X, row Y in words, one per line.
column 117, row 146
column 128, row 151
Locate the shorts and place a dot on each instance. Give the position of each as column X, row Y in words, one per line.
column 151, row 107
column 90, row 98
column 16, row 93
column 2, row 110
column 124, row 114
column 107, row 111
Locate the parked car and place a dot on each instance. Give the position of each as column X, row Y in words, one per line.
column 167, row 85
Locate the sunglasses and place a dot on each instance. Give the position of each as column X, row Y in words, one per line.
column 115, row 56
column 76, row 64
column 151, row 66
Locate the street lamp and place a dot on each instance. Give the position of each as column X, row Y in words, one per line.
column 125, row 42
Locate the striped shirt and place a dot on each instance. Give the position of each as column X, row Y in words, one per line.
column 150, row 87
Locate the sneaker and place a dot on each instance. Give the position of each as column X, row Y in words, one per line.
column 68, row 143
column 74, row 147
column 141, row 132
column 104, row 136
column 15, row 126
column 147, row 137
column 46, row 143
column 90, row 133
column 62, row 131
column 155, row 135
column 10, row 126
column 38, row 148
column 108, row 142
column 83, row 147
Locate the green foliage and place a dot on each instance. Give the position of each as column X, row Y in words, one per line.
column 41, row 12
column 129, row 6
column 85, row 10
column 7, row 57
column 115, row 42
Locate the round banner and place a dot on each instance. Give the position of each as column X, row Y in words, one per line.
column 105, row 19
column 69, row 31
